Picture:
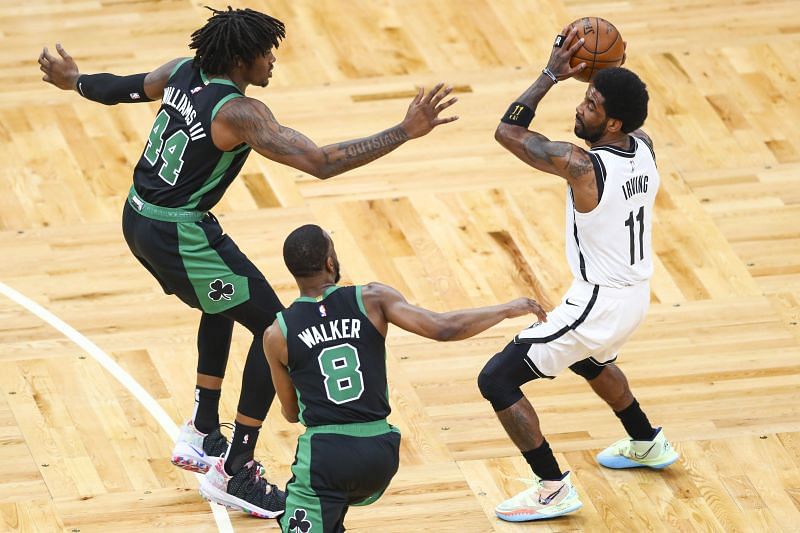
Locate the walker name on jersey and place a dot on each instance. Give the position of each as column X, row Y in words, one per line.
column 635, row 185
column 346, row 328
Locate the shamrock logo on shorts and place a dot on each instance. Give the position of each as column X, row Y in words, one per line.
column 298, row 523
column 220, row 289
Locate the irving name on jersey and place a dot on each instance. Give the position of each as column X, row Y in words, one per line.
column 635, row 185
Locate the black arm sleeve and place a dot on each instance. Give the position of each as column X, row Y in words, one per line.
column 109, row 89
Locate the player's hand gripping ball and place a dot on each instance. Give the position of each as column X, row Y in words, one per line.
column 603, row 47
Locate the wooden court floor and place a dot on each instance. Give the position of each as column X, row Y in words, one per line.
column 451, row 220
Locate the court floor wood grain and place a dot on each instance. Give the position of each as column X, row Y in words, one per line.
column 452, row 220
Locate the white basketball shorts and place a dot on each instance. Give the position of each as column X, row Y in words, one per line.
column 591, row 322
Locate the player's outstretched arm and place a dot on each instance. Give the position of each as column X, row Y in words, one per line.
column 62, row 71
column 247, row 120
column 449, row 326
column 278, row 359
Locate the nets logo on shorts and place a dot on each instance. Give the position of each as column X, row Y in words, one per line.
column 298, row 522
column 220, row 290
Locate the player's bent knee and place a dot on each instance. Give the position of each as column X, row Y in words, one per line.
column 486, row 383
column 501, row 377
column 501, row 393
column 587, row 369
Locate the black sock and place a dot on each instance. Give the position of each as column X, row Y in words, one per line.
column 206, row 409
column 242, row 447
column 543, row 462
column 635, row 422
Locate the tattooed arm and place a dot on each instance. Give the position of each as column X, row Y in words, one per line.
column 560, row 158
column 246, row 120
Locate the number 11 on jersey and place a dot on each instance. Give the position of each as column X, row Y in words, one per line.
column 630, row 223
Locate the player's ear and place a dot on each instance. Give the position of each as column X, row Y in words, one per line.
column 614, row 125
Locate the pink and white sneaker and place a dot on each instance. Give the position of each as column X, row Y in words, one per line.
column 197, row 452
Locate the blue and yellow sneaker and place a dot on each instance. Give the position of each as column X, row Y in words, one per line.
column 628, row 453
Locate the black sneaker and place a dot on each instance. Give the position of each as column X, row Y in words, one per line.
column 244, row 491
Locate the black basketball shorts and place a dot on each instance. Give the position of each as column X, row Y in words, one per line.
column 335, row 467
column 194, row 259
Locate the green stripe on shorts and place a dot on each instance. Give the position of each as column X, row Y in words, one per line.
column 302, row 503
column 216, row 286
column 356, row 429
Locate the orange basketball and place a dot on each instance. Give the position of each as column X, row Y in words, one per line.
column 603, row 47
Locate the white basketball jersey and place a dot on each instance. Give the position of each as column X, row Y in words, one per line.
column 611, row 246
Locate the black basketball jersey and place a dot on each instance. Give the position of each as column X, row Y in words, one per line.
column 337, row 359
column 180, row 166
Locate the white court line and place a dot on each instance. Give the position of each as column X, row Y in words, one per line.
column 166, row 423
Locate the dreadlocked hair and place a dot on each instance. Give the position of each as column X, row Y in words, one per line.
column 234, row 34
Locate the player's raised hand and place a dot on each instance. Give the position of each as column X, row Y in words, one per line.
column 424, row 109
column 59, row 70
column 524, row 306
column 564, row 47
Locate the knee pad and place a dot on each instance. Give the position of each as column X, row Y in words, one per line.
column 587, row 368
column 500, row 393
column 500, row 379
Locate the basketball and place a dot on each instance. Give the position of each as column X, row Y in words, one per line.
column 603, row 47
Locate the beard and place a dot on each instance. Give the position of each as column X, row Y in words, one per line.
column 589, row 135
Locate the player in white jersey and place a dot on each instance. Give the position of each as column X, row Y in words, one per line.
column 611, row 189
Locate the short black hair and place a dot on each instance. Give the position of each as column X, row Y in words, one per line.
column 625, row 96
column 305, row 251
column 234, row 34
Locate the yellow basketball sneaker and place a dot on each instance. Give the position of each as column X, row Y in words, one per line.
column 628, row 453
column 545, row 499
